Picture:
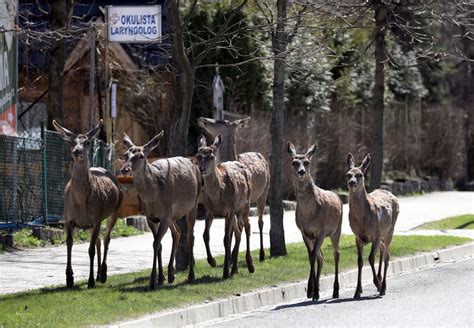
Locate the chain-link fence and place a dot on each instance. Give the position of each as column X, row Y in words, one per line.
column 33, row 174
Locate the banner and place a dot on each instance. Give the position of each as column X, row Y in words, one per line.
column 8, row 67
column 130, row 24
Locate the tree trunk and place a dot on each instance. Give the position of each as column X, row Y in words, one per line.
column 183, row 82
column 379, row 89
column 279, row 43
column 60, row 16
column 183, row 86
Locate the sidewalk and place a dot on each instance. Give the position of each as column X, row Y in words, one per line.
column 43, row 267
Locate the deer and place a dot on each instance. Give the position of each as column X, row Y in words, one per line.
column 256, row 164
column 226, row 192
column 169, row 189
column 318, row 215
column 91, row 195
column 372, row 218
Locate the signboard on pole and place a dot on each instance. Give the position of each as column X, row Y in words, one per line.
column 8, row 67
column 130, row 24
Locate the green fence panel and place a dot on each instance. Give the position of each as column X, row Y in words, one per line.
column 34, row 173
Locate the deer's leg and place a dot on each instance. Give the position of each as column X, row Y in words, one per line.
column 227, row 235
column 335, row 252
column 382, row 250
column 108, row 230
column 309, row 247
column 205, row 236
column 191, row 220
column 318, row 254
column 175, row 235
column 97, row 247
column 248, row 254
column 237, row 228
column 94, row 236
column 261, row 209
column 388, row 240
column 69, row 242
column 373, row 253
column 360, row 264
column 154, row 230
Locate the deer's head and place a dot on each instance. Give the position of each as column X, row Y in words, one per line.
column 206, row 155
column 135, row 156
column 355, row 174
column 301, row 162
column 224, row 127
column 79, row 142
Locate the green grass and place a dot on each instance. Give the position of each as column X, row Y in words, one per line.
column 126, row 296
column 454, row 222
column 24, row 238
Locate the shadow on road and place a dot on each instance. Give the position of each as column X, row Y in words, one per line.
column 328, row 301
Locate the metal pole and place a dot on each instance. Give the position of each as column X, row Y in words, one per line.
column 91, row 77
column 44, row 172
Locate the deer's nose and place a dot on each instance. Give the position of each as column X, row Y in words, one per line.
column 125, row 169
column 352, row 182
column 76, row 151
column 301, row 172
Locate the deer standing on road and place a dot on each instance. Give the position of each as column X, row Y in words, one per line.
column 318, row 215
column 169, row 189
column 227, row 189
column 372, row 218
column 257, row 167
column 91, row 195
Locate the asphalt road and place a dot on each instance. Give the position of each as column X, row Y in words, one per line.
column 439, row 296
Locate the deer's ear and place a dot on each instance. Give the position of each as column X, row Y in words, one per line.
column 95, row 131
column 63, row 132
column 311, row 150
column 241, row 123
column 202, row 141
column 127, row 141
column 291, row 149
column 350, row 161
column 217, row 141
column 150, row 145
column 365, row 163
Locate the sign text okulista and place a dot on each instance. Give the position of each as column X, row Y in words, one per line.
column 134, row 24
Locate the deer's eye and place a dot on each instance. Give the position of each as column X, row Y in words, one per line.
column 306, row 163
column 295, row 163
column 348, row 175
column 359, row 175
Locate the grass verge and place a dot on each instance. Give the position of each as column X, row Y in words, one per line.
column 127, row 296
column 454, row 222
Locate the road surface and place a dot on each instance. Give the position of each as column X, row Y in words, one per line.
column 442, row 295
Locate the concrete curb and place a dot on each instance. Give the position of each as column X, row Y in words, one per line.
column 286, row 293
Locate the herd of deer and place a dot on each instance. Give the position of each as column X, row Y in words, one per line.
column 171, row 188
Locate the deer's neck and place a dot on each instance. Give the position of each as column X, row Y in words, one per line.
column 80, row 178
column 305, row 188
column 143, row 178
column 358, row 202
column 214, row 183
column 227, row 150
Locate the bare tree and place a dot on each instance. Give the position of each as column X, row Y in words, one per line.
column 60, row 12
column 184, row 62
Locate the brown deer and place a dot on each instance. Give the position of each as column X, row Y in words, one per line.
column 91, row 195
column 227, row 189
column 169, row 189
column 256, row 164
column 318, row 215
column 372, row 217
